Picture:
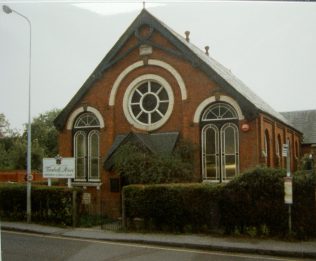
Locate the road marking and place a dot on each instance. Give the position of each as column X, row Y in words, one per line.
column 175, row 249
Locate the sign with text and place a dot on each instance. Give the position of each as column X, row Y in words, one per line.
column 288, row 190
column 285, row 149
column 63, row 168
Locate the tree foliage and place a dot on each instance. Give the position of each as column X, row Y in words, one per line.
column 44, row 132
column 4, row 126
column 139, row 166
column 13, row 146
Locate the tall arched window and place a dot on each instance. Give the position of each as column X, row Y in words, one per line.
column 278, row 150
column 230, row 153
column 296, row 149
column 266, row 148
column 288, row 141
column 220, row 143
column 86, row 147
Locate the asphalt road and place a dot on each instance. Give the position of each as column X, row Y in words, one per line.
column 24, row 246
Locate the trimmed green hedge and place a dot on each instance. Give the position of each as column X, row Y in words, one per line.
column 255, row 200
column 304, row 204
column 252, row 203
column 173, row 207
column 51, row 205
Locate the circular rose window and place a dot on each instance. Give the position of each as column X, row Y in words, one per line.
column 148, row 102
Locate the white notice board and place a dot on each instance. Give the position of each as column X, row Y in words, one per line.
column 64, row 168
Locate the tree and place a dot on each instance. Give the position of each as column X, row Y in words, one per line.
column 7, row 139
column 4, row 126
column 44, row 132
column 13, row 146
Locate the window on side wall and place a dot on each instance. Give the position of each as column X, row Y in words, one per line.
column 266, row 148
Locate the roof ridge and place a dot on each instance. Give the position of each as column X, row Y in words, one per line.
column 214, row 69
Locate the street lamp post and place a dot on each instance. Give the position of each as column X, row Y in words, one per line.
column 9, row 10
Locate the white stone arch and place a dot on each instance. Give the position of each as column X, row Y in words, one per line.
column 76, row 112
column 210, row 100
column 138, row 64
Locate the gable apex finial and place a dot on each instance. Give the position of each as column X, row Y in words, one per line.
column 144, row 5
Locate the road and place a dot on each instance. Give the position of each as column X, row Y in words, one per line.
column 24, row 246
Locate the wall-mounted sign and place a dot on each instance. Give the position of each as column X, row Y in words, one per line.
column 86, row 198
column 285, row 149
column 63, row 168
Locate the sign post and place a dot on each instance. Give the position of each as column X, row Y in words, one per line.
column 288, row 185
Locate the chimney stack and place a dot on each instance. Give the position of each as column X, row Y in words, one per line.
column 187, row 34
column 206, row 49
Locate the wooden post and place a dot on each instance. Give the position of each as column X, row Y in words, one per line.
column 288, row 174
column 74, row 208
column 123, row 210
column 99, row 205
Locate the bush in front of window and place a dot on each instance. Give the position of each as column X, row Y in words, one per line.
column 139, row 166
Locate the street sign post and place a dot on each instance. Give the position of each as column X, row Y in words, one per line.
column 288, row 187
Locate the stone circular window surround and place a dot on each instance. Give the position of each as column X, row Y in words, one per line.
column 148, row 103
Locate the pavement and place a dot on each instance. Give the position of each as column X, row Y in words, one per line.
column 305, row 249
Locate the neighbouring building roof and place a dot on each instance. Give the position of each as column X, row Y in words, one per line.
column 251, row 103
column 158, row 143
column 304, row 121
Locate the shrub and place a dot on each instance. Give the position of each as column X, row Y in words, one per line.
column 136, row 165
column 173, row 207
column 252, row 204
column 304, row 204
column 49, row 204
column 255, row 199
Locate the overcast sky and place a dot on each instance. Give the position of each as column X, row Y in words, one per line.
column 270, row 46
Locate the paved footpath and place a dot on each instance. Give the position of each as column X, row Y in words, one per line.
column 193, row 241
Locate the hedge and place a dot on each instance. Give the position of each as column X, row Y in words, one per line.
column 51, row 205
column 304, row 204
column 253, row 201
column 173, row 207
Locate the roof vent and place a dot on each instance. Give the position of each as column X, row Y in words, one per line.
column 187, row 34
column 206, row 50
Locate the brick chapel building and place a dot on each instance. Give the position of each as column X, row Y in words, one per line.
column 156, row 87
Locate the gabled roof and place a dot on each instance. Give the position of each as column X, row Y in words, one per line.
column 304, row 121
column 251, row 103
column 157, row 143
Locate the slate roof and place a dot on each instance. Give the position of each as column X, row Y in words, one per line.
column 251, row 103
column 158, row 143
column 304, row 121
column 233, row 81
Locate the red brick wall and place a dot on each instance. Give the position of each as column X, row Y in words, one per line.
column 249, row 143
column 199, row 87
column 276, row 128
column 18, row 176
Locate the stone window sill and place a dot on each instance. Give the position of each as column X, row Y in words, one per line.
column 86, row 184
